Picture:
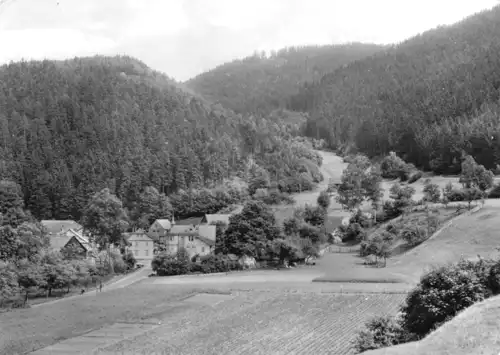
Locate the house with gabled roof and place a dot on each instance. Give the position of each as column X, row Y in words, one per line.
column 141, row 245
column 73, row 244
column 159, row 228
column 195, row 239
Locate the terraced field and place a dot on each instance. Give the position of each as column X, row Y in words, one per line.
column 264, row 323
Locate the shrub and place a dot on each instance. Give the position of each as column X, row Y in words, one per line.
column 390, row 211
column 456, row 195
column 273, row 197
column 413, row 235
column 119, row 265
column 354, row 231
column 393, row 167
column 380, row 332
column 441, row 294
column 129, row 260
column 432, row 193
column 315, row 216
column 361, row 218
column 324, row 199
column 494, row 192
column 169, row 265
column 494, row 278
column 415, row 176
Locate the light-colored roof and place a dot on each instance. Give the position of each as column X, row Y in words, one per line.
column 165, row 223
column 213, row 218
column 59, row 240
column 183, row 229
column 207, row 231
column 131, row 235
column 58, row 226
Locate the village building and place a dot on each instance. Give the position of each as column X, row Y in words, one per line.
column 141, row 245
column 66, row 236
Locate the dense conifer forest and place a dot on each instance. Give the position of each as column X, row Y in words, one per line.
column 429, row 98
column 71, row 128
column 264, row 82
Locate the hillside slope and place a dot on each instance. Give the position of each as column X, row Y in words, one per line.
column 473, row 331
column 264, row 83
column 70, row 128
column 427, row 98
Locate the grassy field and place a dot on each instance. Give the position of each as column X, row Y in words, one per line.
column 25, row 330
column 467, row 237
column 473, row 331
column 265, row 323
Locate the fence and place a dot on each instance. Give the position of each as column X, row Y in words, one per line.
column 341, row 249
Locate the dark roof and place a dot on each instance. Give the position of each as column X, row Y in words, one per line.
column 207, row 241
column 188, row 221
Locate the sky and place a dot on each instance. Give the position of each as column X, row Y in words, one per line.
column 183, row 38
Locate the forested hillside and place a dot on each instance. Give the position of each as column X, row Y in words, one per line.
column 262, row 83
column 428, row 98
column 71, row 128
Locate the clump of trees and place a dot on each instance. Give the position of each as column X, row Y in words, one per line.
column 28, row 265
column 440, row 295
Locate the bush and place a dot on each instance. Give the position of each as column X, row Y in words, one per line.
column 315, row 216
column 393, row 167
column 360, row 218
column 353, row 232
column 441, row 294
column 324, row 199
column 129, row 260
column 494, row 192
column 390, row 211
column 119, row 266
column 273, row 197
column 456, row 195
column 380, row 332
column 296, row 184
column 413, row 235
column 415, row 176
column 169, row 265
column 494, row 278
column 432, row 193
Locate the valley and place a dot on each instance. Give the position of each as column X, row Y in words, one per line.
column 206, row 208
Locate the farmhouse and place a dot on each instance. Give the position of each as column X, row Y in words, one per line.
column 141, row 245
column 159, row 228
column 73, row 243
column 195, row 239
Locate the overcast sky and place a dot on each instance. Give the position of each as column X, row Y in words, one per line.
column 186, row 37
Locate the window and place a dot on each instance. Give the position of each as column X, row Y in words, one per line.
column 136, row 252
column 146, row 243
column 136, row 244
column 191, row 238
column 202, row 249
column 146, row 252
column 171, row 238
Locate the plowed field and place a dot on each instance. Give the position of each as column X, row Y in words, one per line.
column 264, row 323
